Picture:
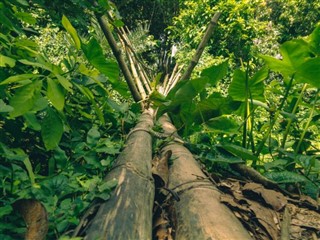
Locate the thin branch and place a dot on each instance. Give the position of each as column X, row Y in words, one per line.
column 204, row 41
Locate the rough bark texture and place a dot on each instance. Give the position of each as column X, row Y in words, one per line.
column 199, row 213
column 128, row 213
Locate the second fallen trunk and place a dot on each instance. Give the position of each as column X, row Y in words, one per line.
column 199, row 213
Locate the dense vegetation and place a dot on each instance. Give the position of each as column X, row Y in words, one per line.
column 65, row 109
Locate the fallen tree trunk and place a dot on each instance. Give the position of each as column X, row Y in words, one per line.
column 128, row 213
column 199, row 213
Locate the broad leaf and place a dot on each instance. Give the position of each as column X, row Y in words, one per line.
column 239, row 151
column 314, row 40
column 95, row 56
column 214, row 106
column 309, row 72
column 24, row 98
column 51, row 129
column 215, row 73
column 55, row 94
column 277, row 65
column 295, row 52
column 223, row 124
column 254, row 88
column 72, row 31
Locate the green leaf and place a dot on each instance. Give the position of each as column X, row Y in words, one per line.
column 24, row 98
column 51, row 129
column 314, row 40
column 18, row 78
column 223, row 124
column 214, row 106
column 309, row 72
column 93, row 136
column 238, row 151
column 285, row 177
column 28, row 166
column 157, row 98
column 26, row 17
column 277, row 65
column 295, row 52
column 55, row 94
column 95, row 56
column 32, row 121
column 6, row 210
column 47, row 66
column 64, row 82
column 7, row 61
column 254, row 89
column 72, row 31
column 4, row 107
column 215, row 73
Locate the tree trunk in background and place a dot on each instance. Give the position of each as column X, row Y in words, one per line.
column 199, row 213
column 128, row 213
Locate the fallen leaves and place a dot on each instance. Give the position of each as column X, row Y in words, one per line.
column 268, row 214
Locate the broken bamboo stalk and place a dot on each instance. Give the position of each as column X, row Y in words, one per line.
column 203, row 43
column 199, row 213
column 128, row 212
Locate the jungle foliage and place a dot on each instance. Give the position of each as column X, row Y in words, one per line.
column 64, row 108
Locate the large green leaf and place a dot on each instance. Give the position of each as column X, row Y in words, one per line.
column 314, row 40
column 254, row 88
column 72, row 31
column 223, row 124
column 239, row 151
column 51, row 129
column 309, row 72
column 277, row 65
column 55, row 94
column 214, row 106
column 295, row 52
column 24, row 98
column 95, row 56
column 215, row 73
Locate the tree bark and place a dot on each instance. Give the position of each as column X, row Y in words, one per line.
column 199, row 213
column 128, row 212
